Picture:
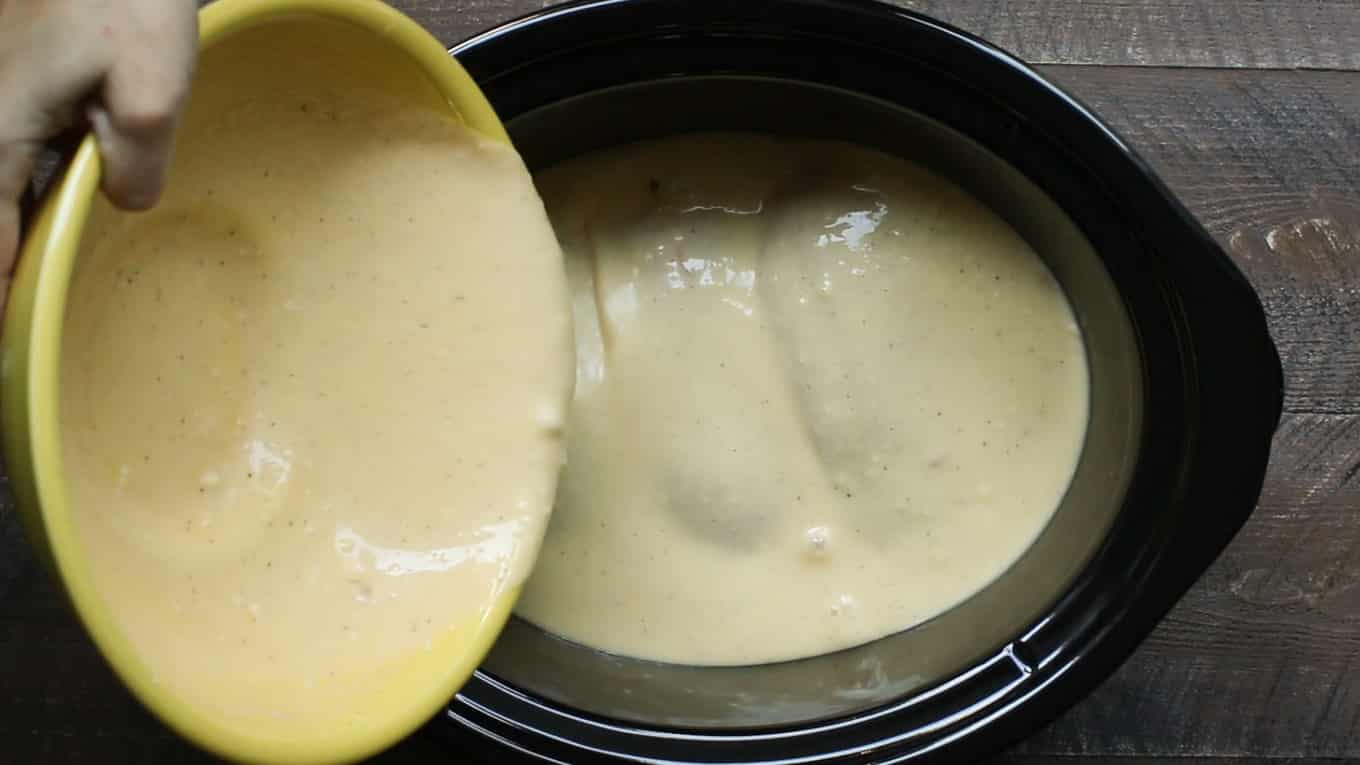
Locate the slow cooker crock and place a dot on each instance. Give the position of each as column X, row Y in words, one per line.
column 1186, row 384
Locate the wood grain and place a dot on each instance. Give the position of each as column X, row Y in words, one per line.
column 1105, row 759
column 1285, row 34
column 1263, row 655
column 1270, row 163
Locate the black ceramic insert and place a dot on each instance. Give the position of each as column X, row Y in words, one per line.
column 1186, row 385
column 855, row 680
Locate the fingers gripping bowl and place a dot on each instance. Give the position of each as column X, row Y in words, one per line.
column 1185, row 384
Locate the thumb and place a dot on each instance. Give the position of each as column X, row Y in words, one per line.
column 147, row 83
column 135, row 154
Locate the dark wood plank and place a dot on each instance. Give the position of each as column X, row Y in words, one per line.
column 1239, row 147
column 14, row 555
column 1270, row 163
column 1263, row 655
column 1286, row 34
column 1086, row 759
column 1204, row 33
column 1307, row 268
column 1103, row 759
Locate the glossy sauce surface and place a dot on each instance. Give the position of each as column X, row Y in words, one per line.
column 822, row 395
column 312, row 404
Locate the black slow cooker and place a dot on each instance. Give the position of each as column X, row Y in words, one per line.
column 1186, row 385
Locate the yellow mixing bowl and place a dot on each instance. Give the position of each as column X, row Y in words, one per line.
column 409, row 62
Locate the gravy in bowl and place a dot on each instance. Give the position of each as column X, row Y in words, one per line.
column 312, row 404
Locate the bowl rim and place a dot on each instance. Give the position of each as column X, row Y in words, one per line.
column 33, row 438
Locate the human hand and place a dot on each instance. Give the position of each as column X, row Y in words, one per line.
column 122, row 67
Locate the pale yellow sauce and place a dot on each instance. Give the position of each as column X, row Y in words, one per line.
column 822, row 396
column 312, row 405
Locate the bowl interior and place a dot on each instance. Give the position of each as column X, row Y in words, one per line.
column 817, row 688
column 252, row 47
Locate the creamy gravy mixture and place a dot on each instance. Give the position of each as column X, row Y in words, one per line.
column 312, row 404
column 822, row 395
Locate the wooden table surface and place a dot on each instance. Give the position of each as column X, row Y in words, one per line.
column 1250, row 109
